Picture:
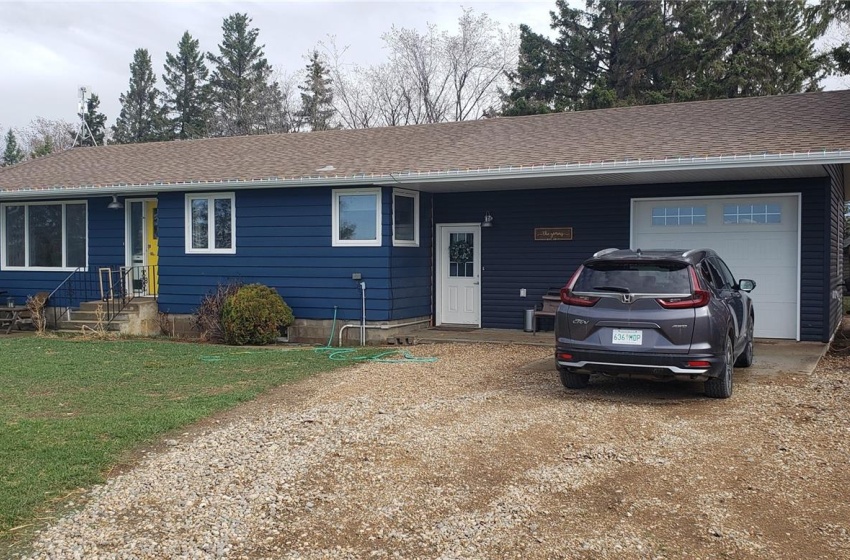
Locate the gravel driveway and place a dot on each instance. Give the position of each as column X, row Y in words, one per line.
column 484, row 455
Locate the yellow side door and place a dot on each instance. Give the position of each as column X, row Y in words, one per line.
column 153, row 247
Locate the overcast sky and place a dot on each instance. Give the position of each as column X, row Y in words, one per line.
column 48, row 49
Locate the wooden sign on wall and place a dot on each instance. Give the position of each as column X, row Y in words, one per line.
column 553, row 234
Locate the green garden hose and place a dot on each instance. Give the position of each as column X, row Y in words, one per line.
column 346, row 354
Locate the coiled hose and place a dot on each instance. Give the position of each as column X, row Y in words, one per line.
column 349, row 354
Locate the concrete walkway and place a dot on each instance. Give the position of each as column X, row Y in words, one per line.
column 772, row 356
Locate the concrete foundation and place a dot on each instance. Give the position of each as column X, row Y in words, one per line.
column 318, row 331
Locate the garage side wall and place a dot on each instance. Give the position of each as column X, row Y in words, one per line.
column 600, row 217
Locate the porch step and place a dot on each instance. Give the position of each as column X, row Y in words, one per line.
column 84, row 314
column 130, row 307
column 77, row 326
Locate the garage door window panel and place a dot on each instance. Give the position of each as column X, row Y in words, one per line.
column 678, row 216
column 752, row 214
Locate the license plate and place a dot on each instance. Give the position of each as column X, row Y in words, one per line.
column 621, row 336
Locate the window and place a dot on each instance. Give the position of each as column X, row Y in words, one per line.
column 211, row 223
column 725, row 273
column 752, row 214
column 678, row 215
column 45, row 236
column 357, row 218
column 405, row 218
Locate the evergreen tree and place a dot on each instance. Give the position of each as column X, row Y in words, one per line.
column 96, row 122
column 243, row 94
column 317, row 109
column 142, row 118
column 186, row 91
column 617, row 52
column 13, row 153
column 533, row 81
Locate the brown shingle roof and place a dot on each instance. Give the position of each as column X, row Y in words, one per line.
column 773, row 125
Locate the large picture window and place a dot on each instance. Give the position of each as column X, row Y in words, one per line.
column 357, row 217
column 405, row 218
column 211, row 223
column 44, row 236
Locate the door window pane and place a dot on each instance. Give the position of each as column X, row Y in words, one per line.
column 137, row 232
column 15, row 245
column 45, row 235
column 461, row 255
column 358, row 217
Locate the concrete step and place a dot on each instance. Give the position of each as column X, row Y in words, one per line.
column 84, row 315
column 77, row 326
column 93, row 305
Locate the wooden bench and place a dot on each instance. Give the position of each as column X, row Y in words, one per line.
column 548, row 309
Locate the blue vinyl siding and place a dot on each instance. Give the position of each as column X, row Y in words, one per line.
column 600, row 218
column 105, row 248
column 283, row 239
column 835, row 250
column 410, row 270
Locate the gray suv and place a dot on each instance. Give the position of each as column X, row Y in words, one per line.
column 658, row 314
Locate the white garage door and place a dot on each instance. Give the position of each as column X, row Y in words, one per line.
column 758, row 237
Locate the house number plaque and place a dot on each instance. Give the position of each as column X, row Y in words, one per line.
column 553, row 234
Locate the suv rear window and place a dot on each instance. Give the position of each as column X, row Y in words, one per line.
column 640, row 278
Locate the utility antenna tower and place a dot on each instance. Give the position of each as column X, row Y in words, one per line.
column 83, row 132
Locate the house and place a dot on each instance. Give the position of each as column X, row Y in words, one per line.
column 464, row 223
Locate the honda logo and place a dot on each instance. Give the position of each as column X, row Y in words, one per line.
column 627, row 298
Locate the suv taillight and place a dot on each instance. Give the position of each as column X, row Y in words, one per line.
column 569, row 298
column 700, row 297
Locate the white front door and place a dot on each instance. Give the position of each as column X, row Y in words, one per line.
column 459, row 274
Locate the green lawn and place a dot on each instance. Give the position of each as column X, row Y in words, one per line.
column 69, row 409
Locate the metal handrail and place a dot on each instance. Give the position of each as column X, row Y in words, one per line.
column 123, row 284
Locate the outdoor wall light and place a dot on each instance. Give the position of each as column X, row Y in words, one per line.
column 115, row 204
column 488, row 219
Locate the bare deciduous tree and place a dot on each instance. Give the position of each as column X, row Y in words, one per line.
column 42, row 133
column 430, row 76
column 478, row 57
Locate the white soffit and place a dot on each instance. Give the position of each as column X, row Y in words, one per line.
column 628, row 178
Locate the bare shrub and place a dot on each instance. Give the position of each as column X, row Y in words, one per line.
column 36, row 305
column 207, row 318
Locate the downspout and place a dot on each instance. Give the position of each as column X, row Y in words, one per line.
column 363, row 314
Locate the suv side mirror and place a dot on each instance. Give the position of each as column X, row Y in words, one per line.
column 746, row 285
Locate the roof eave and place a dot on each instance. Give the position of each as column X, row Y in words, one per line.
column 403, row 178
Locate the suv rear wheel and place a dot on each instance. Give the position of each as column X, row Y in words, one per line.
column 720, row 387
column 573, row 380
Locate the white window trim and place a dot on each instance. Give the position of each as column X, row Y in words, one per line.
column 187, row 227
column 407, row 242
column 64, row 204
column 335, row 240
